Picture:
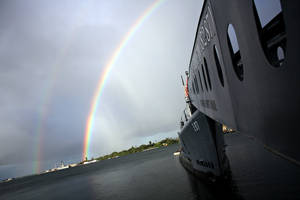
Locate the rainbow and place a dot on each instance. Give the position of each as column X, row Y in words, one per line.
column 106, row 71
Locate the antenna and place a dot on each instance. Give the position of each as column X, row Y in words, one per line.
column 182, row 80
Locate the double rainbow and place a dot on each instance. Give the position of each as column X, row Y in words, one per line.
column 105, row 73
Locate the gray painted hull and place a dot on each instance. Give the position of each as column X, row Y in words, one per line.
column 202, row 143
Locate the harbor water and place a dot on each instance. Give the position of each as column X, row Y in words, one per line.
column 158, row 174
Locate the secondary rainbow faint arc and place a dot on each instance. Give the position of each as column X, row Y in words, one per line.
column 46, row 97
column 105, row 73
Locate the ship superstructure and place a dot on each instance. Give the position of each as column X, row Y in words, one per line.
column 243, row 77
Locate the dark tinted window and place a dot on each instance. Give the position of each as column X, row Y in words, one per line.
column 200, row 80
column 203, row 74
column 218, row 65
column 207, row 73
column 235, row 52
column 196, row 84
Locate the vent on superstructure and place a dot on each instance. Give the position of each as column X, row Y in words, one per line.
column 271, row 30
column 235, row 52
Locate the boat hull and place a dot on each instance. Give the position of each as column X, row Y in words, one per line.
column 202, row 143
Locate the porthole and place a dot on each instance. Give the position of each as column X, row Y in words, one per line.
column 218, row 65
column 271, row 30
column 207, row 73
column 235, row 52
column 200, row 80
column 203, row 74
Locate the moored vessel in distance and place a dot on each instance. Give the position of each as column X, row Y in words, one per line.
column 242, row 79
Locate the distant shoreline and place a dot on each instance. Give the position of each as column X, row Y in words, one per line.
column 143, row 147
column 132, row 150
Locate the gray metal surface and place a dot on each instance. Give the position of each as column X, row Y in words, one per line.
column 202, row 145
column 263, row 98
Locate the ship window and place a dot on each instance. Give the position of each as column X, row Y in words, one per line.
column 196, row 84
column 267, row 10
column 235, row 52
column 200, row 80
column 204, row 77
column 280, row 55
column 271, row 29
column 219, row 69
column 207, row 73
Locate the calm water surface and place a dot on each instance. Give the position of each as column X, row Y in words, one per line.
column 154, row 174
column 157, row 174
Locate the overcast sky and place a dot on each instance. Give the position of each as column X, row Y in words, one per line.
column 51, row 57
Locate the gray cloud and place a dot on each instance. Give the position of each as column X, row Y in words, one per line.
column 51, row 57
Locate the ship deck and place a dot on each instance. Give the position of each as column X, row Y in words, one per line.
column 259, row 173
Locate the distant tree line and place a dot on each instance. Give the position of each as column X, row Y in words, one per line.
column 143, row 147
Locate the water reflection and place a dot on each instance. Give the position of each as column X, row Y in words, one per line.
column 157, row 174
column 225, row 189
